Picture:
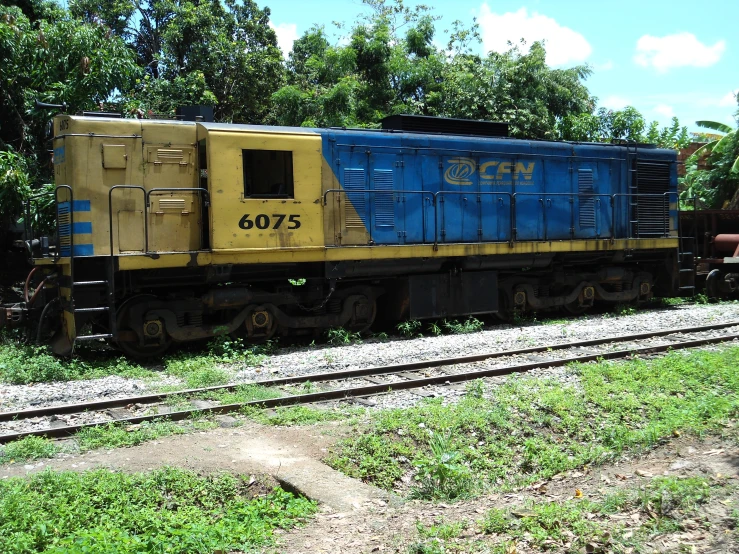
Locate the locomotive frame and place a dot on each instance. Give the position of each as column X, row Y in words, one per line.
column 175, row 231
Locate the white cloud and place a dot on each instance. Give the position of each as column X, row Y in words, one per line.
column 607, row 66
column 615, row 102
column 563, row 45
column 287, row 33
column 665, row 110
column 728, row 101
column 678, row 50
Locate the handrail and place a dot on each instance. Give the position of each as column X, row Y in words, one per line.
column 571, row 196
column 394, row 191
column 27, row 225
column 373, row 191
column 461, row 192
column 665, row 196
column 597, row 197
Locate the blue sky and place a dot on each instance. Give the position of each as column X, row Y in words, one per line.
column 664, row 58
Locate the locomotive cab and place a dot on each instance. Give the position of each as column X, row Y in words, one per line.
column 265, row 187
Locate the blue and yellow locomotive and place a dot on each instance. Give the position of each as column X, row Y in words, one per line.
column 170, row 231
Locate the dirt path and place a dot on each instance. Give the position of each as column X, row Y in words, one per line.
column 358, row 518
column 394, row 529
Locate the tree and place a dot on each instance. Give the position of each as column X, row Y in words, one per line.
column 58, row 61
column 718, row 185
column 49, row 56
column 621, row 125
column 721, row 144
column 196, row 51
column 392, row 65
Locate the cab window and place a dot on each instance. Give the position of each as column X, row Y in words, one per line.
column 268, row 174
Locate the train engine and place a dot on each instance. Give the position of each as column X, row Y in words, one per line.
column 172, row 231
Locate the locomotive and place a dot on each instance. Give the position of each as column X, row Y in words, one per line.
column 170, row 231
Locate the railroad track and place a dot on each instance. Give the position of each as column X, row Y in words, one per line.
column 359, row 384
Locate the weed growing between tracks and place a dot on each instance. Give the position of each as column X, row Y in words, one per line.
column 113, row 435
column 531, row 429
column 168, row 510
column 117, row 435
column 302, row 415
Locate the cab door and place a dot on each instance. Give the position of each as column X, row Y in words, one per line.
column 265, row 187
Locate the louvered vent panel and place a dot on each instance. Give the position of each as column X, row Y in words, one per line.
column 587, row 201
column 354, row 181
column 65, row 228
column 652, row 212
column 384, row 204
column 172, row 204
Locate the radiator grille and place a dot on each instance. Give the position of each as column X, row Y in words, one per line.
column 64, row 215
column 585, row 195
column 652, row 212
column 384, row 205
column 354, row 181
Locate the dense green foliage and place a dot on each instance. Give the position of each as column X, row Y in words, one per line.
column 168, row 510
column 717, row 184
column 531, row 429
column 147, row 57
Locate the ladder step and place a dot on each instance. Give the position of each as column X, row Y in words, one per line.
column 89, row 283
column 687, row 288
column 88, row 310
column 94, row 337
column 686, row 271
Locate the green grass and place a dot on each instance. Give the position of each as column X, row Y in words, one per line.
column 665, row 501
column 115, row 435
column 543, row 523
column 579, row 524
column 24, row 364
column 196, row 371
column 28, row 448
column 443, row 531
column 410, row 328
column 301, row 415
column 530, row 429
column 168, row 510
column 244, row 393
column 338, row 336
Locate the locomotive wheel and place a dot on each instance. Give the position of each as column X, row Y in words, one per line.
column 715, row 284
column 368, row 310
column 127, row 339
column 260, row 325
column 506, row 313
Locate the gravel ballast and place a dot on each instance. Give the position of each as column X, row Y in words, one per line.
column 296, row 361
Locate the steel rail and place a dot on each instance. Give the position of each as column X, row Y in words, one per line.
column 346, row 374
column 369, row 390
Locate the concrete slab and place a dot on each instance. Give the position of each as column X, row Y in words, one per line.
column 303, row 474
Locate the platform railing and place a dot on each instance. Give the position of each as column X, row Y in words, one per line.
column 545, row 199
column 619, row 224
